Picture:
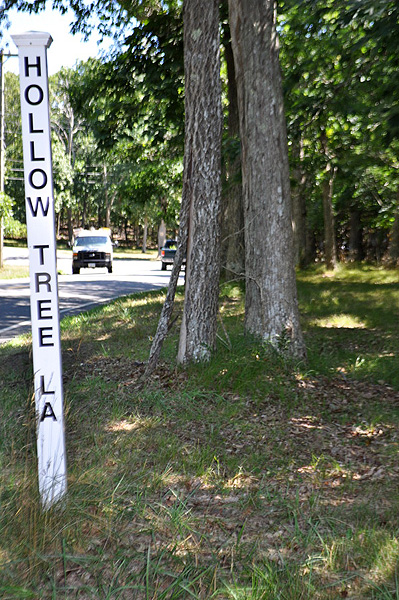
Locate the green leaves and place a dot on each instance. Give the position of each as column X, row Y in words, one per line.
column 5, row 205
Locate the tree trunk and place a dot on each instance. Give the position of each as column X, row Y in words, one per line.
column 109, row 197
column 199, row 233
column 107, row 215
column 302, row 252
column 84, row 212
column 355, row 235
column 201, row 178
column 330, row 246
column 271, row 307
column 394, row 236
column 161, row 236
column 167, row 309
column 70, row 224
column 145, row 233
column 233, row 244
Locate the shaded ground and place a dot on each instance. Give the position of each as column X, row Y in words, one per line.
column 246, row 478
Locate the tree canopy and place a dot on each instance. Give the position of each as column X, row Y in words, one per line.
column 119, row 124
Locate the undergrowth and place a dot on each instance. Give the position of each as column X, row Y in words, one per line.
column 248, row 477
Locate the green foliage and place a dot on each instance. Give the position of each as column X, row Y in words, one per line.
column 340, row 66
column 14, row 229
column 339, row 62
column 14, row 188
column 5, row 205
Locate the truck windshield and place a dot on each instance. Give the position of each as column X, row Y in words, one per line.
column 90, row 241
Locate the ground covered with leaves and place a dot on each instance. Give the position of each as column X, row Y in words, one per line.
column 248, row 477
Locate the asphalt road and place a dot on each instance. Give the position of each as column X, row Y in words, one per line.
column 77, row 293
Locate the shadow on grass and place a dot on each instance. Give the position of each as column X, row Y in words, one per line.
column 246, row 477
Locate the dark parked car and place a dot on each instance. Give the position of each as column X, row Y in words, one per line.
column 168, row 252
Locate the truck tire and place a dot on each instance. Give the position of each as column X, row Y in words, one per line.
column 75, row 270
column 163, row 266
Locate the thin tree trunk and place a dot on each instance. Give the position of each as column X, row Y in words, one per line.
column 84, row 212
column 271, row 307
column 330, row 246
column 145, row 233
column 355, row 235
column 394, row 236
column 70, row 224
column 299, row 212
column 233, row 243
column 109, row 198
column 167, row 309
column 199, row 236
column 161, row 236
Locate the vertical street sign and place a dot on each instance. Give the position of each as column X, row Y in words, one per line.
column 2, row 122
column 40, row 220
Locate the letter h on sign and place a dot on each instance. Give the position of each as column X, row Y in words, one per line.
column 46, row 344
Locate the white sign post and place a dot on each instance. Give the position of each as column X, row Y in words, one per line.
column 40, row 220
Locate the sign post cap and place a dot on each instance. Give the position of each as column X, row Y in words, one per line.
column 32, row 38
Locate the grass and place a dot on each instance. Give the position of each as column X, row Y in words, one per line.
column 244, row 478
column 13, row 272
column 352, row 322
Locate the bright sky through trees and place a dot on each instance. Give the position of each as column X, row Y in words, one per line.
column 66, row 48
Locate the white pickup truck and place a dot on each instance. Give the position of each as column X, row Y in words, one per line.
column 91, row 249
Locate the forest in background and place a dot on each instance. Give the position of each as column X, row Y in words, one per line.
column 118, row 127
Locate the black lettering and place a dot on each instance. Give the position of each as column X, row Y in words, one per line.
column 43, row 388
column 47, row 412
column 31, row 126
column 41, row 248
column 33, row 157
column 28, row 96
column 45, row 281
column 39, row 202
column 36, row 65
column 42, row 308
column 43, row 336
column 42, row 174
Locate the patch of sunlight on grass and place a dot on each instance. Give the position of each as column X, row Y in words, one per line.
column 4, row 556
column 12, row 272
column 352, row 272
column 326, row 472
column 387, row 560
column 149, row 300
column 342, row 321
column 366, row 274
column 372, row 550
column 126, row 426
column 18, row 342
column 241, row 480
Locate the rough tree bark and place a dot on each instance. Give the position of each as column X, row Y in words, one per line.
column 199, row 233
column 271, row 309
column 202, row 171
